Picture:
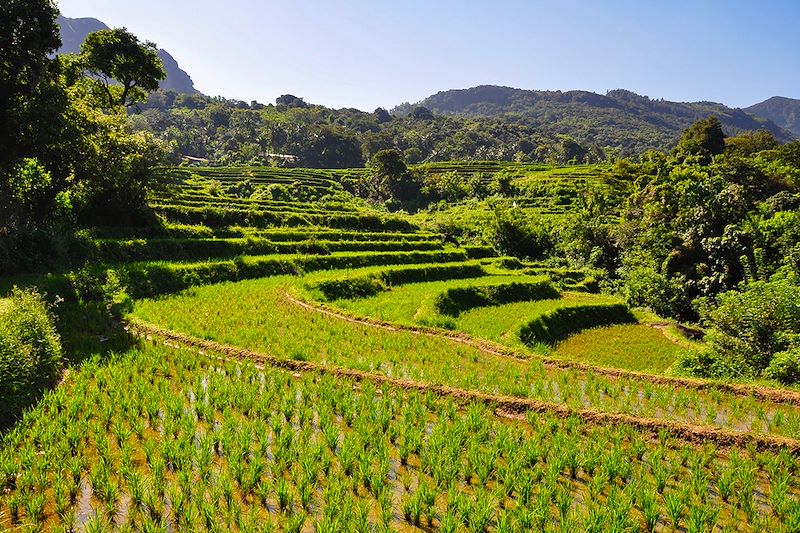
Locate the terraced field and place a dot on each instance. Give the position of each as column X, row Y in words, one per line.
column 316, row 365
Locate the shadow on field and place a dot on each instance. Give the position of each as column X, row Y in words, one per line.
column 88, row 331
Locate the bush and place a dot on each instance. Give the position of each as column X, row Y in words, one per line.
column 750, row 327
column 706, row 364
column 30, row 352
column 560, row 323
column 785, row 367
column 644, row 287
column 351, row 288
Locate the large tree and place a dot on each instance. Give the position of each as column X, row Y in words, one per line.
column 125, row 69
column 703, row 139
column 392, row 175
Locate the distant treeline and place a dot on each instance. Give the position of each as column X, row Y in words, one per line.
column 235, row 132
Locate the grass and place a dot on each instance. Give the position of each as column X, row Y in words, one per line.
column 259, row 317
column 637, row 347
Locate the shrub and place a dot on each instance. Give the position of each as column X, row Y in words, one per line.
column 785, row 367
column 514, row 233
column 705, row 363
column 350, row 288
column 750, row 327
column 30, row 352
column 644, row 287
column 479, row 252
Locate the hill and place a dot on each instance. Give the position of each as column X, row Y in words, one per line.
column 74, row 31
column 620, row 119
column 785, row 112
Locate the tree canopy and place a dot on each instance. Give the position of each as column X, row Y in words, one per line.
column 703, row 139
column 125, row 69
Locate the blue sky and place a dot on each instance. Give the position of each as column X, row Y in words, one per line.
column 370, row 53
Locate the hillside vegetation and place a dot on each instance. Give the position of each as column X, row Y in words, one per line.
column 785, row 112
column 620, row 122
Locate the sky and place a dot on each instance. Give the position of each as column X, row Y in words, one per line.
column 371, row 53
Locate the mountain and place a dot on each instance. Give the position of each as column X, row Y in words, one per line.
column 620, row 120
column 785, row 112
column 74, row 31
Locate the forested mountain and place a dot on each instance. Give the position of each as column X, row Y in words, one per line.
column 620, row 120
column 74, row 31
column 785, row 112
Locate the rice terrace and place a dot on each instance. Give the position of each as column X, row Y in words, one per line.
column 494, row 310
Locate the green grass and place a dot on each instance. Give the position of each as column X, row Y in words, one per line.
column 637, row 347
column 255, row 315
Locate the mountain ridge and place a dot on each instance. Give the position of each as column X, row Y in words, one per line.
column 74, row 32
column 783, row 111
column 618, row 118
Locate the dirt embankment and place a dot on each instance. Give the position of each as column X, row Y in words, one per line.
column 778, row 396
column 687, row 432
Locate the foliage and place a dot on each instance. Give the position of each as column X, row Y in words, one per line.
column 696, row 231
column 785, row 367
column 230, row 132
column 703, row 140
column 459, row 299
column 28, row 80
column 515, row 233
column 619, row 122
column 30, row 352
column 390, row 180
column 125, row 69
column 750, row 327
column 70, row 157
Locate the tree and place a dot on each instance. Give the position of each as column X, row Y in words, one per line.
column 514, row 233
column 393, row 177
column 421, row 113
column 125, row 69
column 751, row 142
column 381, row 115
column 290, row 101
column 750, row 327
column 703, row 139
